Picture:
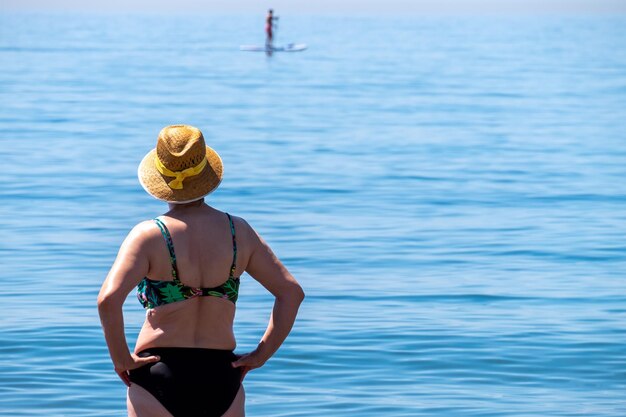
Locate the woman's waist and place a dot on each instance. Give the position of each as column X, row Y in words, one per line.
column 162, row 338
column 189, row 353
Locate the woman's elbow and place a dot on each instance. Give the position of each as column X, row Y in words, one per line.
column 297, row 293
column 294, row 293
column 107, row 302
column 300, row 293
column 102, row 302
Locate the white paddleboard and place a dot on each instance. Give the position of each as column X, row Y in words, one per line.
column 290, row 47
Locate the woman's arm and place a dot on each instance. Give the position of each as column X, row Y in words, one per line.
column 130, row 266
column 267, row 269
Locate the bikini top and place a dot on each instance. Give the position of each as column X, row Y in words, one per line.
column 152, row 293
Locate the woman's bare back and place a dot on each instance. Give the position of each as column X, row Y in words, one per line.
column 203, row 246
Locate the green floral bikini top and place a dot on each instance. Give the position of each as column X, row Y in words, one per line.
column 152, row 293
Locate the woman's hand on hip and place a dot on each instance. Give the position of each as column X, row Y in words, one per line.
column 248, row 362
column 133, row 363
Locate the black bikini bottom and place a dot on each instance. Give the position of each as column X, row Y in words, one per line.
column 190, row 382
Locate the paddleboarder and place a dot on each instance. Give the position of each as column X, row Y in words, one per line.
column 269, row 27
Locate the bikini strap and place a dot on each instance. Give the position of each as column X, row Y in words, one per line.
column 170, row 247
column 232, row 231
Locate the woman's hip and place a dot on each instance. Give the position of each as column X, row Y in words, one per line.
column 196, row 365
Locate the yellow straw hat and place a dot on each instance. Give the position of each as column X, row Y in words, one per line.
column 181, row 168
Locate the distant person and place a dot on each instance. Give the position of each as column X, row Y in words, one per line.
column 186, row 266
column 269, row 27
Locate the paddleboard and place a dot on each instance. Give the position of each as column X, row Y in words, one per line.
column 290, row 47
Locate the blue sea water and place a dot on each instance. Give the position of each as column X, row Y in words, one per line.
column 449, row 191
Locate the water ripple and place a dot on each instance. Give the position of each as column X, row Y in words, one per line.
column 453, row 205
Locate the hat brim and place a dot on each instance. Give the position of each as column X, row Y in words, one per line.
column 194, row 188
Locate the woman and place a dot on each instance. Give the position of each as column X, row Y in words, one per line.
column 186, row 266
column 269, row 27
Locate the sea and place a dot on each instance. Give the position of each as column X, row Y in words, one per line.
column 450, row 191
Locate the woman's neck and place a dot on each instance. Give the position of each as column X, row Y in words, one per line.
column 186, row 206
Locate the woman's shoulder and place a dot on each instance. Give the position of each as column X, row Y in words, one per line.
column 241, row 225
column 140, row 239
column 146, row 227
column 243, row 230
column 143, row 232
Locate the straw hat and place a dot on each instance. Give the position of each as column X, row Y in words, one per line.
column 181, row 168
